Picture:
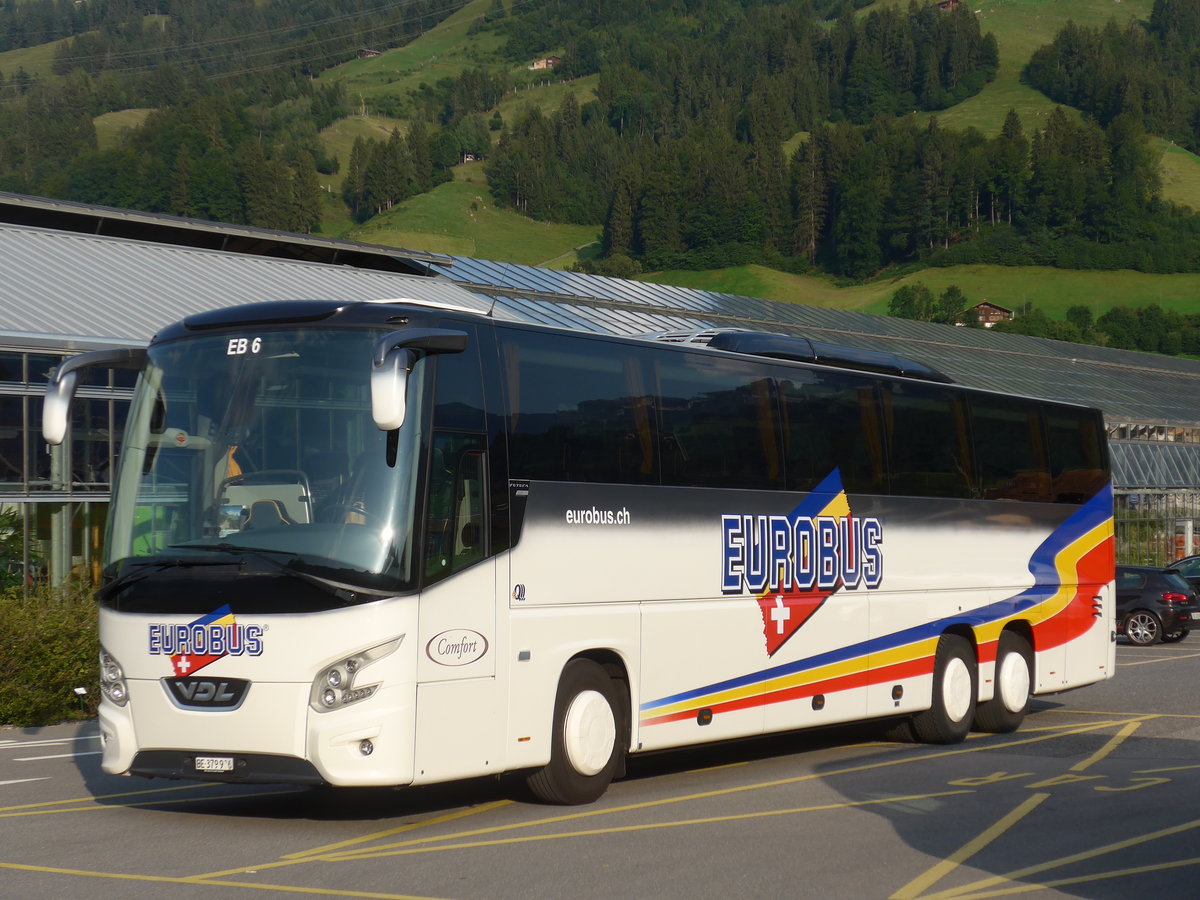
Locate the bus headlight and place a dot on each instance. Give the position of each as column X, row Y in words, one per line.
column 112, row 679
column 338, row 684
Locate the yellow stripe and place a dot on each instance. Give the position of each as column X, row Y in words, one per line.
column 907, row 653
column 1065, row 562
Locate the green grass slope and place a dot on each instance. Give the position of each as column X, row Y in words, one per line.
column 1021, row 27
column 37, row 60
column 111, row 127
column 1053, row 291
column 459, row 218
column 442, row 52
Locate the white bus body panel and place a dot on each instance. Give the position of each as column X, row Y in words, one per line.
column 458, row 727
column 275, row 716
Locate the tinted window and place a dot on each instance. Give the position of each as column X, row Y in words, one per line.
column 719, row 427
column 454, row 515
column 458, row 402
column 926, row 431
column 580, row 410
column 39, row 368
column 831, row 421
column 10, row 366
column 1077, row 468
column 1128, row 580
column 12, row 442
column 1010, row 455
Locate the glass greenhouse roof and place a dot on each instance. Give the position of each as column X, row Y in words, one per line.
column 1126, row 385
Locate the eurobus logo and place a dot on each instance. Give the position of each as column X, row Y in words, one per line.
column 201, row 643
column 792, row 563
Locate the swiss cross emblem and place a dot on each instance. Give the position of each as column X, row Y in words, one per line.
column 793, row 563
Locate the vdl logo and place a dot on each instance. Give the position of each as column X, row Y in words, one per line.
column 201, row 643
column 204, row 693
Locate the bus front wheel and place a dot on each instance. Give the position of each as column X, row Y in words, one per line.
column 586, row 749
column 955, row 687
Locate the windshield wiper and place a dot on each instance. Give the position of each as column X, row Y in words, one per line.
column 345, row 593
column 144, row 568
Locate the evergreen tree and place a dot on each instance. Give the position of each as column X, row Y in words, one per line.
column 307, row 192
column 808, row 198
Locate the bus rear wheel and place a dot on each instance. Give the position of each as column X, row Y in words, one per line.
column 1014, row 678
column 955, row 687
column 586, row 748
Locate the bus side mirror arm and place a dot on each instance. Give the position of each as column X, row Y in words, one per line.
column 395, row 355
column 60, row 391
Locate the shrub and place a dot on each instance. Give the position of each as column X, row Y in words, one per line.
column 49, row 648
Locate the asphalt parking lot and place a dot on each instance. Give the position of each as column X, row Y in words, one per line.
column 1094, row 797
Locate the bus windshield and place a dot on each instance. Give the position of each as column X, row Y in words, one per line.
column 263, row 443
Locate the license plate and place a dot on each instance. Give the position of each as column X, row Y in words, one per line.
column 214, row 763
column 1196, row 615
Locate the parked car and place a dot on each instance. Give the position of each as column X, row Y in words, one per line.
column 1189, row 568
column 1155, row 604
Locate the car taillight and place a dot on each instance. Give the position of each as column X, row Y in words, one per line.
column 1173, row 597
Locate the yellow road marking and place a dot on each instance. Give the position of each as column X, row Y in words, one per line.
column 1158, row 659
column 1167, row 769
column 315, row 855
column 247, row 885
column 1042, row 729
column 722, row 792
column 918, row 885
column 173, row 800
column 91, row 799
column 381, row 852
column 292, row 859
column 1099, row 712
column 1082, row 879
column 732, row 765
column 213, row 879
column 1112, row 744
column 437, row 820
column 935, row 874
column 1082, row 856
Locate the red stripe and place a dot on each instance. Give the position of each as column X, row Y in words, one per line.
column 1095, row 568
column 885, row 674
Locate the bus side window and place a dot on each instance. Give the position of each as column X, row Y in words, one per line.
column 579, row 411
column 455, row 535
column 1010, row 455
column 831, row 421
column 719, row 424
column 1077, row 468
column 928, row 450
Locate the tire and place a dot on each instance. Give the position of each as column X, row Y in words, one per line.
column 1142, row 628
column 955, row 689
column 1176, row 636
column 589, row 737
column 1013, row 680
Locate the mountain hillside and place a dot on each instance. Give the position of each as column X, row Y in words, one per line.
column 737, row 136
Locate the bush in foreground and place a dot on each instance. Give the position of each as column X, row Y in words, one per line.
column 49, row 647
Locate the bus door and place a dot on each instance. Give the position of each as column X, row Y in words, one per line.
column 458, row 707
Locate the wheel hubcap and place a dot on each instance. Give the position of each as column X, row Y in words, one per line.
column 589, row 732
column 1142, row 629
column 956, row 690
column 1013, row 682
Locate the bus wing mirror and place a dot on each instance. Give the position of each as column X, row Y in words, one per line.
column 60, row 391
column 395, row 355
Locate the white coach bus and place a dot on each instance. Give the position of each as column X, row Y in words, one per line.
column 388, row 543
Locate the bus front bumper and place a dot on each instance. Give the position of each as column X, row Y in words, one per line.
column 274, row 737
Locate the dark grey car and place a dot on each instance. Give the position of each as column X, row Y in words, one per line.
column 1155, row 604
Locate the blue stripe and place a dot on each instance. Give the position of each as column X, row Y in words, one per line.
column 1046, row 582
